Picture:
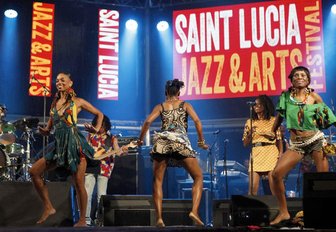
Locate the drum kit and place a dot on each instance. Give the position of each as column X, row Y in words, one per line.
column 14, row 156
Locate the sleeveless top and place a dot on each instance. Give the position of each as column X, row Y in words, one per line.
column 176, row 119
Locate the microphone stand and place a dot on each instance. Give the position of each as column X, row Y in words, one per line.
column 225, row 170
column 210, row 224
column 46, row 90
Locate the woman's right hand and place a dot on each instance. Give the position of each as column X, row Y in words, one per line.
column 44, row 131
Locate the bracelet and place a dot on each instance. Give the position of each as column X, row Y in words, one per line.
column 200, row 143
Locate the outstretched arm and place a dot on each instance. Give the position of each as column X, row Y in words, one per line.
column 198, row 124
column 151, row 117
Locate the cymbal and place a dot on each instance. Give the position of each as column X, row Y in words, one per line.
column 23, row 123
column 7, row 138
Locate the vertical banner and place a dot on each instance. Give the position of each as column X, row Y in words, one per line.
column 41, row 49
column 108, row 50
column 245, row 50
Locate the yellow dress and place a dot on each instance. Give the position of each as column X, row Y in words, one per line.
column 265, row 156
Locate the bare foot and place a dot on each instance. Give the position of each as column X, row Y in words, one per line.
column 81, row 223
column 196, row 219
column 281, row 217
column 46, row 213
column 160, row 223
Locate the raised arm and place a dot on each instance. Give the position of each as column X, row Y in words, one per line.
column 151, row 117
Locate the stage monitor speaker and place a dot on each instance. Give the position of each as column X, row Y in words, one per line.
column 124, row 177
column 222, row 213
column 127, row 210
column 319, row 200
column 253, row 210
column 21, row 206
column 176, row 212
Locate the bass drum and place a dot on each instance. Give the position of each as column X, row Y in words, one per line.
column 14, row 150
column 3, row 165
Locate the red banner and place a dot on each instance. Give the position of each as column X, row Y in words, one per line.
column 248, row 49
column 41, row 49
column 108, row 50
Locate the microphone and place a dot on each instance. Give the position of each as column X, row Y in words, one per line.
column 216, row 132
column 32, row 78
column 251, row 103
column 226, row 140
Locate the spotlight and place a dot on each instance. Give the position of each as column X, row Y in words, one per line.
column 162, row 26
column 10, row 13
column 333, row 9
column 131, row 25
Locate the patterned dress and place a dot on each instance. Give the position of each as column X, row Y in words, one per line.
column 172, row 143
column 266, row 155
column 70, row 143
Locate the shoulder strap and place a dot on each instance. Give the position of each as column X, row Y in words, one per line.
column 181, row 104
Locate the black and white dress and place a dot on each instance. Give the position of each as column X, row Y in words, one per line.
column 172, row 142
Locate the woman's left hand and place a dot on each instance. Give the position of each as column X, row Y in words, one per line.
column 90, row 128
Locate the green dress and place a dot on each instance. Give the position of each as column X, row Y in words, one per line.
column 70, row 143
column 304, row 117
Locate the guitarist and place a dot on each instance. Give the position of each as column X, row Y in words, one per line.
column 98, row 172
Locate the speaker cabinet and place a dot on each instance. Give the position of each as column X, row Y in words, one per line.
column 124, row 177
column 319, row 200
column 21, row 206
column 253, row 210
column 222, row 213
column 127, row 210
column 176, row 212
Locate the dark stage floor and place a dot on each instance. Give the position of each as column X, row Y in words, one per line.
column 152, row 229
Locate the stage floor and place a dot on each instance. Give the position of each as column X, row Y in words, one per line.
column 152, row 229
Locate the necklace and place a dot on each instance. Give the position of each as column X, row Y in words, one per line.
column 298, row 102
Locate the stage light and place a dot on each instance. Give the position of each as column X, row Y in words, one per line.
column 10, row 13
column 162, row 26
column 131, row 25
column 333, row 9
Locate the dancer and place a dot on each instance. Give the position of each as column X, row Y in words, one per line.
column 71, row 148
column 265, row 152
column 305, row 115
column 100, row 174
column 172, row 146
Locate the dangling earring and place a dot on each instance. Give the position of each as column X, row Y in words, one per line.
column 294, row 92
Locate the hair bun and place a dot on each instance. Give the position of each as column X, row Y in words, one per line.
column 178, row 83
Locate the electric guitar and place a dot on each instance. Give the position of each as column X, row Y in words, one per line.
column 101, row 153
